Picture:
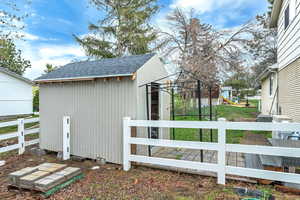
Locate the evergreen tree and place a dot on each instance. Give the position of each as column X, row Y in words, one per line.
column 124, row 29
column 271, row 6
column 50, row 68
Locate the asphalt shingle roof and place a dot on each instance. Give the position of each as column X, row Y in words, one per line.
column 100, row 68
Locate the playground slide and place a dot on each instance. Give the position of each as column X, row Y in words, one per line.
column 228, row 101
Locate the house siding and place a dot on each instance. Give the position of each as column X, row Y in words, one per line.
column 96, row 109
column 288, row 39
column 289, row 93
column 15, row 96
column 269, row 102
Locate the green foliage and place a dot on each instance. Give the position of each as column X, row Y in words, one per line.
column 270, row 7
column 11, row 58
column 124, row 29
column 36, row 100
column 50, row 68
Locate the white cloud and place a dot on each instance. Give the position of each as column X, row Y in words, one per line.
column 54, row 51
column 203, row 6
column 40, row 55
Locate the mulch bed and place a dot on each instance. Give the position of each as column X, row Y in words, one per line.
column 111, row 182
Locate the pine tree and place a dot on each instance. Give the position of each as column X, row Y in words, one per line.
column 270, row 7
column 125, row 29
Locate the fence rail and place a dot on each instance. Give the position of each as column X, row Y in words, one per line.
column 20, row 134
column 221, row 147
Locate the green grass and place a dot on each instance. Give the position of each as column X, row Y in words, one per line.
column 231, row 113
column 10, row 129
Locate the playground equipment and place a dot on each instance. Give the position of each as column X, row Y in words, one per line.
column 228, row 101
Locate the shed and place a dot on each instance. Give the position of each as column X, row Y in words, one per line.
column 97, row 95
column 16, row 94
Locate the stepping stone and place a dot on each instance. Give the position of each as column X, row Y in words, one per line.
column 28, row 180
column 55, row 179
column 15, row 176
column 50, row 167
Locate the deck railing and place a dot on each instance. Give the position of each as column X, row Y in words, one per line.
column 221, row 147
column 20, row 134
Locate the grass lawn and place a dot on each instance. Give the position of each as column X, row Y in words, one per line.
column 231, row 113
column 10, row 129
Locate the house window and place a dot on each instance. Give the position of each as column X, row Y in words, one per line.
column 271, row 85
column 287, row 17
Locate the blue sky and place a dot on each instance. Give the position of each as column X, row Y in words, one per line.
column 49, row 28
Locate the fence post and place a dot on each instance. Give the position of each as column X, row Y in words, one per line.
column 66, row 137
column 21, row 137
column 222, row 153
column 126, row 144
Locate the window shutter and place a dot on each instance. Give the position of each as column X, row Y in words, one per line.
column 287, row 16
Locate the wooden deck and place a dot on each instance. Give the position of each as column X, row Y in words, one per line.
column 232, row 158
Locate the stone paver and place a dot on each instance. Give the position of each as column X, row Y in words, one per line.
column 232, row 158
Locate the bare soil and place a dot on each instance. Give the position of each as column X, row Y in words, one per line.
column 111, row 182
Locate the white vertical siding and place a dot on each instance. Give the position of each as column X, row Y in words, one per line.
column 15, row 96
column 289, row 38
column 96, row 109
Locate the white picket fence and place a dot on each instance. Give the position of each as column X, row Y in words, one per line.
column 20, row 134
column 221, row 147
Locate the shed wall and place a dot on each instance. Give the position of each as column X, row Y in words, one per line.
column 151, row 71
column 96, row 109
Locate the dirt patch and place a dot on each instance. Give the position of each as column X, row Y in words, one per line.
column 254, row 139
column 111, row 182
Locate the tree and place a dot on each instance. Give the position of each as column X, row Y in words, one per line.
column 50, row 68
column 240, row 81
column 263, row 45
column 11, row 17
column 36, row 99
column 203, row 51
column 271, row 2
column 124, row 29
column 11, row 58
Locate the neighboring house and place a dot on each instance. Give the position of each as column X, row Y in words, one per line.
column 269, row 90
column 286, row 17
column 16, row 94
column 97, row 95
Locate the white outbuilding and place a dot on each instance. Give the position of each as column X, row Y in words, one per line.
column 15, row 94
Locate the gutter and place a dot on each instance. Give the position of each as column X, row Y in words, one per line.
column 81, row 78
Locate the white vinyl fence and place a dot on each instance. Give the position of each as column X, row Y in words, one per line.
column 20, row 134
column 221, row 147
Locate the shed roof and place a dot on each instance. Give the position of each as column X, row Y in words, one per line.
column 110, row 67
column 17, row 76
